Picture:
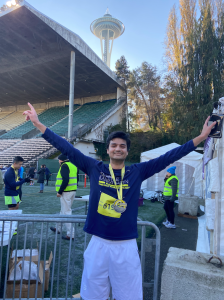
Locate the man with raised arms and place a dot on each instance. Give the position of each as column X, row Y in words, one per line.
column 111, row 256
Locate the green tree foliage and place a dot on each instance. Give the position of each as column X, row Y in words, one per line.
column 145, row 97
column 195, row 63
column 123, row 73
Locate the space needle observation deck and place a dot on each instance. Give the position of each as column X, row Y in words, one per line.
column 107, row 29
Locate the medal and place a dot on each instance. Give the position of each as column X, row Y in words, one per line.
column 120, row 205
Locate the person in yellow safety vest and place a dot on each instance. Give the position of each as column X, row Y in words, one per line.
column 170, row 193
column 66, row 186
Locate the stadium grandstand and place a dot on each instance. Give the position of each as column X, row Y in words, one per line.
column 74, row 92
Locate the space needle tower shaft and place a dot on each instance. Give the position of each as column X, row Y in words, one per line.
column 107, row 29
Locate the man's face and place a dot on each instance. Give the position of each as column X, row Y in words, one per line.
column 60, row 162
column 117, row 149
column 18, row 165
column 168, row 175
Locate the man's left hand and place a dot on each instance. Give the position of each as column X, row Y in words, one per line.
column 204, row 134
column 58, row 195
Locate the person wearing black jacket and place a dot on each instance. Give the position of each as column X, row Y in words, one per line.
column 47, row 173
column 41, row 174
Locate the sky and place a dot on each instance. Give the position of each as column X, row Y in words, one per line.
column 145, row 25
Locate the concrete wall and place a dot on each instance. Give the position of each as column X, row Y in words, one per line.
column 120, row 93
column 47, row 105
column 86, row 148
column 188, row 275
column 97, row 132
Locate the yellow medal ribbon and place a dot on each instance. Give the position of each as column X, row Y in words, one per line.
column 119, row 189
column 119, row 205
column 16, row 175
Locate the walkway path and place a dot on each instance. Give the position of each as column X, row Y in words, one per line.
column 184, row 237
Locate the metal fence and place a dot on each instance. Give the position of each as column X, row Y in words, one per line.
column 67, row 263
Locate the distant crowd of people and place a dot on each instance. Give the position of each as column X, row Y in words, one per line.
column 66, row 185
column 43, row 173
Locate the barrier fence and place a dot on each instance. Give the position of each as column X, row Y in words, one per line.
column 81, row 178
column 58, row 262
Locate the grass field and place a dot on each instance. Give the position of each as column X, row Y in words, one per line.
column 48, row 203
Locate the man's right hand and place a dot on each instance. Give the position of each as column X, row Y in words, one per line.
column 32, row 116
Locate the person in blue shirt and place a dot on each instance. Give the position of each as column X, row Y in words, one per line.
column 112, row 255
column 47, row 173
column 13, row 182
column 20, row 172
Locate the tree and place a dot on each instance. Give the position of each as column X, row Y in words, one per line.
column 144, row 94
column 123, row 73
column 173, row 43
column 198, row 71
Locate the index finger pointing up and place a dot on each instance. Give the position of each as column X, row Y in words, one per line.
column 31, row 106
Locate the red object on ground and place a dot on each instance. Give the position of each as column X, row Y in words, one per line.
column 85, row 181
column 140, row 201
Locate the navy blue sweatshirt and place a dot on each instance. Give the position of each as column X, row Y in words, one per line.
column 124, row 227
column 11, row 184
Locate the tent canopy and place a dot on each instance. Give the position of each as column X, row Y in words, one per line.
column 189, row 159
column 188, row 171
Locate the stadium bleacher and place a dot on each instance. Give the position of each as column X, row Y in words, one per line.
column 48, row 117
column 84, row 115
column 28, row 149
column 9, row 121
column 57, row 119
column 4, row 114
column 7, row 144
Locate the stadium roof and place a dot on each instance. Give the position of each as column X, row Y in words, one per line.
column 35, row 56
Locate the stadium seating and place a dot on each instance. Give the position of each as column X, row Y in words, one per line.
column 57, row 119
column 48, row 117
column 12, row 120
column 84, row 115
column 4, row 144
column 28, row 149
column 4, row 114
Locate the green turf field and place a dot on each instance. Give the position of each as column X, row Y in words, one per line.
column 47, row 203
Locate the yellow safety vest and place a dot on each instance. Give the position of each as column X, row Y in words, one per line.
column 17, row 176
column 168, row 189
column 72, row 184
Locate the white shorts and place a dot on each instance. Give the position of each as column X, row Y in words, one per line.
column 111, row 262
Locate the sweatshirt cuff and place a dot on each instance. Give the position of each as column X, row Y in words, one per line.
column 192, row 145
column 46, row 133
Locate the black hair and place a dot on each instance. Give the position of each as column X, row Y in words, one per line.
column 121, row 135
column 17, row 159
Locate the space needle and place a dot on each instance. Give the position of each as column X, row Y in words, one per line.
column 107, row 29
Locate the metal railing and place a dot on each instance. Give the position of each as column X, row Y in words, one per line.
column 67, row 262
